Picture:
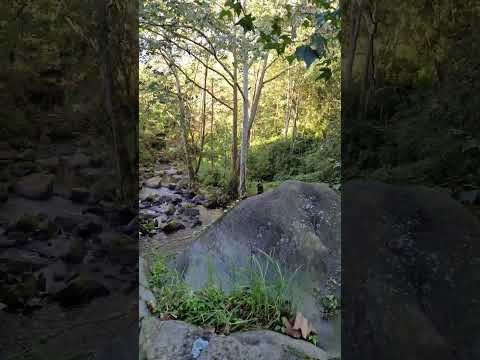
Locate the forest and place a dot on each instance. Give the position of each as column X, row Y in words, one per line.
column 241, row 93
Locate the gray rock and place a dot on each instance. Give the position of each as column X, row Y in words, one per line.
column 19, row 261
column 3, row 193
column 153, row 183
column 172, row 226
column 35, row 186
column 77, row 160
column 80, row 290
column 165, row 340
column 68, row 223
column 79, row 194
column 297, row 223
column 199, row 200
column 415, row 253
column 49, row 163
column 191, row 211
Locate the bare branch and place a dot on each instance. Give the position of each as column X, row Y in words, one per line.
column 277, row 75
column 200, row 86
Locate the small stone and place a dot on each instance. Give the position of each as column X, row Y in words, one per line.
column 81, row 290
column 172, row 226
column 153, row 183
column 35, row 186
column 78, row 160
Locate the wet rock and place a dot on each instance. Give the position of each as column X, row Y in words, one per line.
column 81, row 290
column 172, row 187
column 78, row 160
column 6, row 241
column 19, row 261
column 3, row 193
column 19, row 293
column 68, row 223
column 53, row 277
column 79, row 194
column 191, row 211
column 35, row 186
column 50, row 164
column 76, row 251
column 198, row 200
column 24, row 168
column 122, row 249
column 176, row 201
column 88, row 228
column 172, row 226
column 103, row 189
column 153, row 183
column 196, row 223
column 189, row 195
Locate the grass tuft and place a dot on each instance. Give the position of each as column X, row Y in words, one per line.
column 259, row 297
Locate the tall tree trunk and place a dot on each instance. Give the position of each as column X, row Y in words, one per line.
column 234, row 177
column 245, row 126
column 183, row 127
column 356, row 16
column 287, row 110
column 368, row 83
column 108, row 90
column 257, row 95
column 211, row 128
column 242, row 188
column 204, row 120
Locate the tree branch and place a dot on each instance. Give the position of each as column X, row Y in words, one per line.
column 201, row 87
column 278, row 75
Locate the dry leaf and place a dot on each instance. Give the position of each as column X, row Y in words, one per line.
column 301, row 323
column 289, row 330
column 151, row 306
column 166, row 316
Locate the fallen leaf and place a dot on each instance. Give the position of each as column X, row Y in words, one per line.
column 289, row 330
column 301, row 323
column 151, row 306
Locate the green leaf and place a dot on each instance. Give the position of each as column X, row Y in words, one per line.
column 325, row 74
column 247, row 23
column 226, row 13
column 291, row 58
column 307, row 54
column 276, row 27
column 237, row 8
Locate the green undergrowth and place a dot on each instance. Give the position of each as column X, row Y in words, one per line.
column 260, row 304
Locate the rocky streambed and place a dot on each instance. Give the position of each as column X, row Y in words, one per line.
column 68, row 252
column 171, row 213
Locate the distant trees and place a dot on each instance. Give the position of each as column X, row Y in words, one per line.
column 242, row 47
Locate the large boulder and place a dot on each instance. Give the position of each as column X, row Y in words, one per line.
column 35, row 186
column 299, row 225
column 164, row 340
column 411, row 280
